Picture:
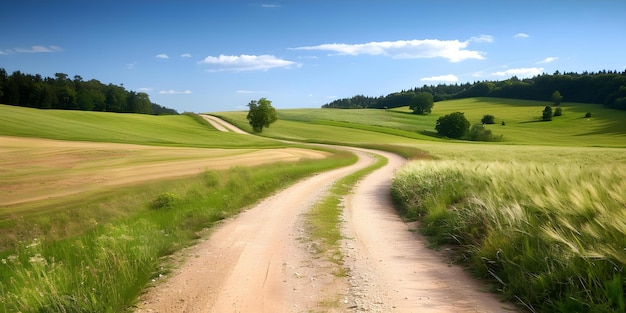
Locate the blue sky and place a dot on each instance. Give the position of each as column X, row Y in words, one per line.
column 208, row 56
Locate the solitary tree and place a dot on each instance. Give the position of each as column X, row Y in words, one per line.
column 453, row 125
column 422, row 103
column 547, row 113
column 261, row 114
column 556, row 97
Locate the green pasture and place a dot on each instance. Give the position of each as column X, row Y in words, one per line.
column 553, row 180
column 166, row 130
column 523, row 125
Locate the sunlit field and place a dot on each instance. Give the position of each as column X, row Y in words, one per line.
column 551, row 236
column 538, row 213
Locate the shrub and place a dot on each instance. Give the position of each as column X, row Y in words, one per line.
column 588, row 114
column 453, row 125
column 479, row 133
column 165, row 200
column 547, row 113
column 488, row 119
column 557, row 112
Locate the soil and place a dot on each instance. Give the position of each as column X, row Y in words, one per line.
column 262, row 261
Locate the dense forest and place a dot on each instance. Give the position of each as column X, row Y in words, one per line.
column 63, row 93
column 608, row 88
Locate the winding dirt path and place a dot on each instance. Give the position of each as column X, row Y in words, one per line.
column 259, row 262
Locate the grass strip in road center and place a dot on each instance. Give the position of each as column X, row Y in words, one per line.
column 324, row 220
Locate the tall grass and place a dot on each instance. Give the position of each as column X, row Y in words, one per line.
column 551, row 236
column 104, row 268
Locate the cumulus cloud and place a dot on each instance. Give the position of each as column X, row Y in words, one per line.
column 520, row 72
column 162, row 56
column 185, row 55
column 521, row 35
column 442, row 78
column 548, row 60
column 453, row 50
column 172, row 92
column 246, row 62
column 33, row 49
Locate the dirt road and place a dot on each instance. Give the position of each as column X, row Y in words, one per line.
column 260, row 262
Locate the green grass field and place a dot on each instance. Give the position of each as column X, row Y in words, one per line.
column 544, row 205
column 167, row 130
column 522, row 123
column 539, row 213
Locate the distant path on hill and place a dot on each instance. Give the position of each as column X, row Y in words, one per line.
column 222, row 125
column 260, row 261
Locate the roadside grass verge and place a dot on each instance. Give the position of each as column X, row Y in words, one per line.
column 549, row 236
column 104, row 267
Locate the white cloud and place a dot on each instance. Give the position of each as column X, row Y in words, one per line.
column 548, row 60
column 131, row 66
column 250, row 91
column 172, row 92
column 442, row 78
column 521, row 35
column 520, row 72
column 162, row 56
column 246, row 62
column 185, row 55
column 33, row 49
column 453, row 50
column 270, row 5
column 481, row 38
column 145, row 89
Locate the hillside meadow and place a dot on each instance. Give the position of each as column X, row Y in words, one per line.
column 91, row 203
column 523, row 125
column 538, row 206
column 539, row 214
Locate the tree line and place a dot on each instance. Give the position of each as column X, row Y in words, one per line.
column 61, row 92
column 604, row 87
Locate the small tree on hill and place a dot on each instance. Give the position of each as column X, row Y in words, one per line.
column 558, row 112
column 556, row 97
column 488, row 119
column 547, row 113
column 453, row 125
column 422, row 103
column 261, row 114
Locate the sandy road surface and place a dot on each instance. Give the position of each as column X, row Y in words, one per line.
column 258, row 262
column 222, row 125
column 391, row 270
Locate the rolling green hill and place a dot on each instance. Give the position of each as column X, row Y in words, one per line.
column 166, row 130
column 523, row 125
